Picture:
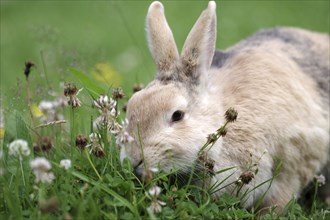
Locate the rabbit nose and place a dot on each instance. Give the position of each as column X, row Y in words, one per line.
column 138, row 169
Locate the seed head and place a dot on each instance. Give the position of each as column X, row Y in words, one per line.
column 231, row 115
column 45, row 143
column 81, row 141
column 211, row 138
column 222, row 131
column 147, row 176
column 98, row 151
column 28, row 66
column 246, row 177
column 70, row 89
column 209, row 165
column 125, row 107
column 118, row 93
column 137, row 87
column 50, row 205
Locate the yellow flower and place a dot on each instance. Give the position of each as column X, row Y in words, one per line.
column 104, row 72
column 36, row 111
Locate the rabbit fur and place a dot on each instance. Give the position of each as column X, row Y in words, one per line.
column 277, row 80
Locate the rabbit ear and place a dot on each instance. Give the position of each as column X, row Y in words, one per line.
column 199, row 47
column 161, row 41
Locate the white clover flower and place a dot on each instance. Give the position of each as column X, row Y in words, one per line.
column 113, row 112
column 125, row 123
column 49, row 109
column 109, row 113
column 114, row 127
column 123, row 137
column 321, row 180
column 40, row 167
column 46, row 106
column 94, row 137
column 156, row 206
column 154, row 170
column 66, row 164
column 105, row 103
column 40, row 164
column 19, row 148
column 154, row 191
column 74, row 101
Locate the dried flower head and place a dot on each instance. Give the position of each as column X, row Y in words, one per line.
column 41, row 169
column 70, row 89
column 137, row 87
column 50, row 205
column 125, row 107
column 27, row 70
column 147, row 176
column 246, row 177
column 118, row 93
column 44, row 144
column 222, row 131
column 98, row 151
column 81, row 141
column 66, row 164
column 19, row 148
column 211, row 138
column 231, row 115
column 71, row 92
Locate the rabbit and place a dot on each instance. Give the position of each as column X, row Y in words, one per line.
column 278, row 82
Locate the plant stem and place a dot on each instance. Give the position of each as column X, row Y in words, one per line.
column 28, row 100
column 45, row 70
column 314, row 196
column 20, row 162
column 72, row 127
column 90, row 161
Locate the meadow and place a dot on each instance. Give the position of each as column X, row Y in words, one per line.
column 64, row 67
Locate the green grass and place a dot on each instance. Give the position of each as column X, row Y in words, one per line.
column 99, row 45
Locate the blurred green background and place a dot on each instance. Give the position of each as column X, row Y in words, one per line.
column 106, row 39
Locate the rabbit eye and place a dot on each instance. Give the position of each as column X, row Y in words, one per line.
column 177, row 116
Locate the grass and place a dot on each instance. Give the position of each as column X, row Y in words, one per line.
column 99, row 46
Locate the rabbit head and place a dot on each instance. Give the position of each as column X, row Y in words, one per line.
column 170, row 119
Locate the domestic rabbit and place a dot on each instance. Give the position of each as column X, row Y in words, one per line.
column 278, row 82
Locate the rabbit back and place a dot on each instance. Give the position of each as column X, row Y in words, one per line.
column 278, row 80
